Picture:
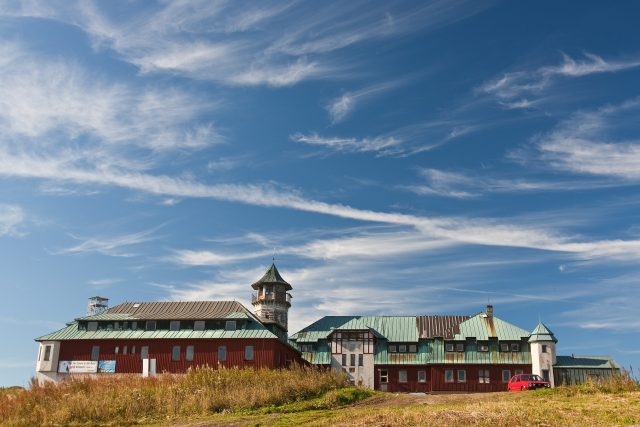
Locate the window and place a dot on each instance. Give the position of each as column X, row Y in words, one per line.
column 515, row 347
column 393, row 348
column 361, row 360
column 174, row 325
column 124, row 350
column 95, row 352
column 460, row 346
column 92, row 326
column 384, row 376
column 544, row 348
column 506, row 374
column 175, row 353
column 545, row 374
column 144, row 351
column 462, row 376
column 504, row 346
column 230, row 325
column 47, row 353
column 483, row 347
column 150, row 325
column 189, row 355
column 198, row 325
column 222, row 353
column 413, row 348
column 448, row 375
column 422, row 376
column 519, row 372
column 402, row 348
column 248, row 352
column 483, row 376
column 116, row 326
column 449, row 347
column 344, row 360
column 134, row 325
column 133, row 349
column 402, row 376
column 116, row 350
column 353, row 360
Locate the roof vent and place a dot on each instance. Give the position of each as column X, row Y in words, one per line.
column 136, row 305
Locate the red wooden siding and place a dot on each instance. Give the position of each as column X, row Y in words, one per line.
column 412, row 384
column 267, row 353
column 472, row 383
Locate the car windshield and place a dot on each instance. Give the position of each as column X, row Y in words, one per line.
column 531, row 378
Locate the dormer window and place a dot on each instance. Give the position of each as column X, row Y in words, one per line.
column 92, row 326
column 230, row 325
column 459, row 346
column 393, row 348
column 174, row 325
column 449, row 347
column 504, row 347
column 515, row 347
column 198, row 325
column 150, row 325
column 483, row 347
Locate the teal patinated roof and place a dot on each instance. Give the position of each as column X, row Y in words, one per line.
column 542, row 333
column 586, row 362
column 272, row 276
column 71, row 332
column 483, row 327
column 392, row 328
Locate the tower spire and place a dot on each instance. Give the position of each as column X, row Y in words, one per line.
column 271, row 300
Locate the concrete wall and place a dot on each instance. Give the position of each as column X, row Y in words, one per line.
column 50, row 365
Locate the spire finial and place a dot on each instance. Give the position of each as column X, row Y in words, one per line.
column 273, row 259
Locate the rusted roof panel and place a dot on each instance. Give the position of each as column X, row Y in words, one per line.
column 483, row 327
column 439, row 326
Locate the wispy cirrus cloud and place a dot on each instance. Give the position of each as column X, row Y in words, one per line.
column 601, row 143
column 118, row 246
column 243, row 44
column 11, row 218
column 341, row 107
column 515, row 89
column 376, row 144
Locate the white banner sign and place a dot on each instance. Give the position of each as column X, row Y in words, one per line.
column 78, row 367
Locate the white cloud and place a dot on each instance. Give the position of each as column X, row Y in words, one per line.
column 243, row 44
column 11, row 218
column 341, row 107
column 513, row 88
column 110, row 245
column 377, row 144
column 588, row 143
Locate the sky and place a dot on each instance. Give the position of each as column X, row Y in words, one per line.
column 397, row 158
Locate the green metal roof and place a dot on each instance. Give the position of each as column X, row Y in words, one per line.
column 109, row 316
column 393, row 328
column 71, row 332
column 272, row 276
column 542, row 333
column 586, row 362
column 483, row 327
column 238, row 315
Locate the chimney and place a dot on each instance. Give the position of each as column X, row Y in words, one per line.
column 489, row 311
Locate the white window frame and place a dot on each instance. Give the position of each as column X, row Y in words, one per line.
column 198, row 325
column 175, row 353
column 248, row 352
column 174, row 325
column 448, row 376
column 402, row 376
column 150, row 325
column 484, row 376
column 459, row 347
column 393, row 348
column 361, row 359
column 504, row 347
column 505, row 379
column 47, row 352
column 462, row 376
column 144, row 351
column 384, row 376
column 422, row 376
column 222, row 353
column 515, row 347
column 189, row 353
column 230, row 325
column 483, row 348
column 402, row 348
column 449, row 346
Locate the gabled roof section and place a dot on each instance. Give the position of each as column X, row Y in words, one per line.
column 171, row 310
column 439, row 326
column 542, row 333
column 482, row 327
column 392, row 328
column 271, row 276
column 590, row 362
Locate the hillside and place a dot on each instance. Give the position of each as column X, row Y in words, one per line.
column 304, row 397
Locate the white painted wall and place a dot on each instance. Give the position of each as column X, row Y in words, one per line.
column 50, row 365
column 540, row 360
column 360, row 375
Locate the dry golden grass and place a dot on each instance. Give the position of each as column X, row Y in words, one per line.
column 136, row 400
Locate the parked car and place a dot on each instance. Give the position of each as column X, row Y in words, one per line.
column 522, row 382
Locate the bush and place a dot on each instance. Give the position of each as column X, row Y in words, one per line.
column 131, row 399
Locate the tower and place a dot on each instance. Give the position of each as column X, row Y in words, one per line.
column 543, row 352
column 271, row 301
column 97, row 305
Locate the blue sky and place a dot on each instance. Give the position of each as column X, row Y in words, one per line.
column 400, row 157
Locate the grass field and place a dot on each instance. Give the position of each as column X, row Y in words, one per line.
column 206, row 397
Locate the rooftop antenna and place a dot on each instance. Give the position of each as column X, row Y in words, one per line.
column 97, row 305
column 274, row 256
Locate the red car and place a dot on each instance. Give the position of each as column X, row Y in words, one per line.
column 522, row 382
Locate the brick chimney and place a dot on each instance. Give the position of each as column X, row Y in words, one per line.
column 489, row 310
